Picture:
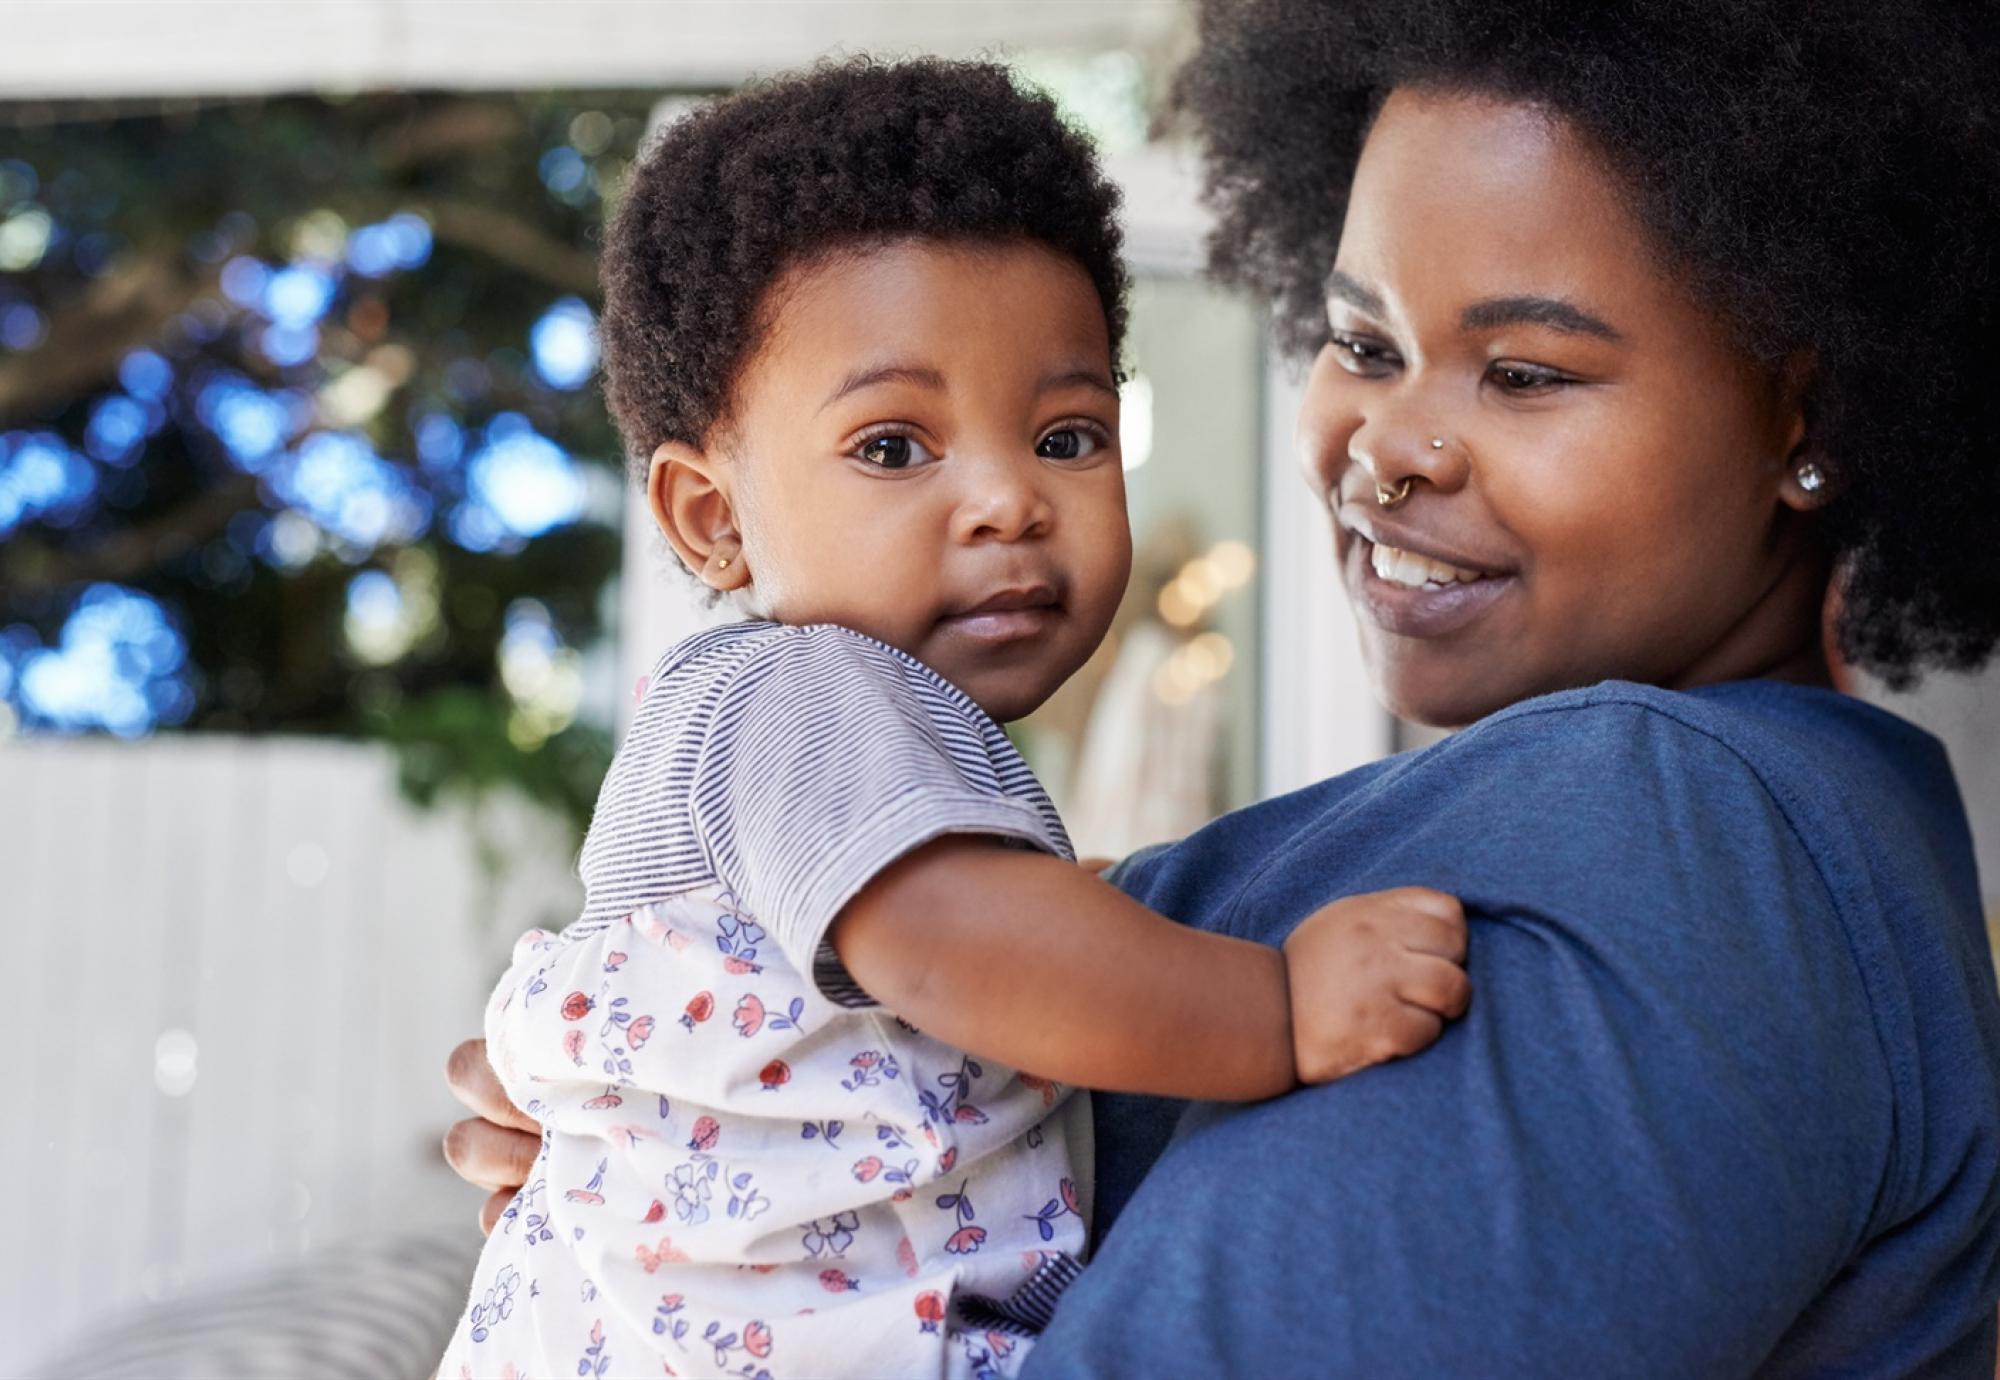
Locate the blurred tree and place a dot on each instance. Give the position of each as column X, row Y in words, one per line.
column 296, row 431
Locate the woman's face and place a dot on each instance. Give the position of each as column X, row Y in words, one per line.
column 1615, row 492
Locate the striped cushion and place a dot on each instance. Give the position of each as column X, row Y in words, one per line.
column 378, row 1308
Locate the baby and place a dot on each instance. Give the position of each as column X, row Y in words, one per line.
column 803, row 1064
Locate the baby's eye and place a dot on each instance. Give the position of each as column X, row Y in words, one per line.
column 1069, row 443
column 895, row 452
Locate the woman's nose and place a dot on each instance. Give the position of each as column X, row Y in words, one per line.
column 1391, row 431
column 1002, row 501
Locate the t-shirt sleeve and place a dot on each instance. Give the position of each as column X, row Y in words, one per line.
column 1637, row 1153
column 827, row 758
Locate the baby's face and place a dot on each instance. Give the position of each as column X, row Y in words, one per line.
column 925, row 449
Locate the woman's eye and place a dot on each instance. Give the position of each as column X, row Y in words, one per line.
column 1359, row 355
column 894, row 452
column 1069, row 443
column 1525, row 378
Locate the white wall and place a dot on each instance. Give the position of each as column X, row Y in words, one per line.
column 323, row 944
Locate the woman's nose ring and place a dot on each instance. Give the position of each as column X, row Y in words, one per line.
column 1389, row 498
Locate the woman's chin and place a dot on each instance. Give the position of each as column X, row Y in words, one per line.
column 1421, row 691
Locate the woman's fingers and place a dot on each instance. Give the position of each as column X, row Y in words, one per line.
column 474, row 1083
column 495, row 1157
column 490, row 1210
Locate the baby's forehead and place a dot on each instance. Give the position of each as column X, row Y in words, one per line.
column 933, row 313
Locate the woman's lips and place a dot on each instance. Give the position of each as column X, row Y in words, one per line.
column 1427, row 610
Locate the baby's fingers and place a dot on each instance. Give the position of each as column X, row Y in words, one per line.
column 1435, row 984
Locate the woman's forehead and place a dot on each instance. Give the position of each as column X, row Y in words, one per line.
column 1464, row 197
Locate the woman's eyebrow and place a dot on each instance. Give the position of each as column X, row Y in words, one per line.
column 870, row 375
column 1352, row 291
column 1552, row 312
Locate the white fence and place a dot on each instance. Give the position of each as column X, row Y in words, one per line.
column 233, row 970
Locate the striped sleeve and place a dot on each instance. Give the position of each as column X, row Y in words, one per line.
column 827, row 757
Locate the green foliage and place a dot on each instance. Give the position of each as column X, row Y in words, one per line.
column 152, row 215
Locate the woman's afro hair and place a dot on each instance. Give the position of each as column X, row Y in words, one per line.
column 1824, row 173
column 788, row 171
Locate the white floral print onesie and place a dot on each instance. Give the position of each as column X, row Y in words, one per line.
column 747, row 1168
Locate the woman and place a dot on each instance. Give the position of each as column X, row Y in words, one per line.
column 1637, row 329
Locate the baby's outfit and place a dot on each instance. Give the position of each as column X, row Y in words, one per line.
column 747, row 1167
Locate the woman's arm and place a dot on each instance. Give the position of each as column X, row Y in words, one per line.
column 1034, row 962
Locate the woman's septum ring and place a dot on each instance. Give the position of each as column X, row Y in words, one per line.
column 1389, row 498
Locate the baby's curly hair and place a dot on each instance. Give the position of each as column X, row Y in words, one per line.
column 789, row 170
column 1824, row 173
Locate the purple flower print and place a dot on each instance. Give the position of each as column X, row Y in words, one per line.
column 831, row 1236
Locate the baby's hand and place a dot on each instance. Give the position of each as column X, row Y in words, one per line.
column 1374, row 977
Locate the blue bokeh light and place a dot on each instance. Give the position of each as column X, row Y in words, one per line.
column 118, row 665
column 22, row 328
column 244, row 280
column 564, row 171
column 338, row 481
column 401, row 242
column 288, row 345
column 523, row 482
column 116, row 432
column 146, row 374
column 251, row 423
column 40, row 477
column 564, row 344
column 440, row 441
column 298, row 296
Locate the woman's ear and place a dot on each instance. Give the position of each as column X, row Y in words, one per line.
column 1807, row 481
column 688, row 494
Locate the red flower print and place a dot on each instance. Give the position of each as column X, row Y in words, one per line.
column 930, row 1309
column 576, row 1006
column 639, row 1031
column 947, row 1160
column 1042, row 1086
column 866, row 1059
column 749, row 1015
column 706, row 1132
column 700, row 1009
column 655, row 1212
column 906, row 1256
column 573, row 1046
column 757, row 1339
column 613, row 961
column 1069, row 1197
column 667, row 1254
column 837, row 1281
column 966, row 1240
column 866, row 1170
column 901, row 1195
column 739, row 966
column 775, row 1074
column 604, row 1101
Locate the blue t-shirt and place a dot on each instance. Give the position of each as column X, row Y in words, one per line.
column 1727, row 1100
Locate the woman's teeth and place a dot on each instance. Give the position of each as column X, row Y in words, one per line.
column 1401, row 567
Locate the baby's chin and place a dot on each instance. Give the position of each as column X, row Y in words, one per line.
column 1008, row 695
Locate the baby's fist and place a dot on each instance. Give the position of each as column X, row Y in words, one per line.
column 1374, row 977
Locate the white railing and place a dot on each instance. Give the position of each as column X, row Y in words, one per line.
column 233, row 971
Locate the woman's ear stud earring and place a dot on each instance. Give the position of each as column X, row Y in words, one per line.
column 1811, row 478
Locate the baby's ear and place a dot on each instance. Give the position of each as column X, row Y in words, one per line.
column 689, row 495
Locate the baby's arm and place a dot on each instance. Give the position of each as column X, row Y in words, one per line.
column 1036, row 963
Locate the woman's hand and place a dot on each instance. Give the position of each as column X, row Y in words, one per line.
column 1374, row 977
column 496, row 1146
